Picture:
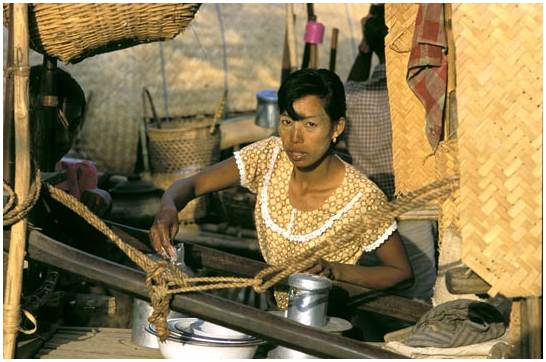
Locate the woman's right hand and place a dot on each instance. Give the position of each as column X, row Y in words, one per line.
column 163, row 230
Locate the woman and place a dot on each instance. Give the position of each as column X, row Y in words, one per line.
column 306, row 194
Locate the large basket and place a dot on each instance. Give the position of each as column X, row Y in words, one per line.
column 73, row 32
column 180, row 148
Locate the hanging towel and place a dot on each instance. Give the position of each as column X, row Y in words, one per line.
column 427, row 67
column 81, row 175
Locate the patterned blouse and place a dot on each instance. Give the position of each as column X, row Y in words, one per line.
column 284, row 231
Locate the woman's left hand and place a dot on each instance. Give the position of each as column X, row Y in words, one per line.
column 322, row 268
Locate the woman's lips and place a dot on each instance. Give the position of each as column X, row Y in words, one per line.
column 296, row 156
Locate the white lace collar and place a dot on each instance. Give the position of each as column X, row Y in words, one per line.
column 287, row 233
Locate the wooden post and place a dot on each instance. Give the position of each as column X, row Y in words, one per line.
column 333, row 49
column 14, row 273
column 9, row 151
column 291, row 34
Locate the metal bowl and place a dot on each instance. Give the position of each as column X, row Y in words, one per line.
column 187, row 345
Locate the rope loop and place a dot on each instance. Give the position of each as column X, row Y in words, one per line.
column 13, row 211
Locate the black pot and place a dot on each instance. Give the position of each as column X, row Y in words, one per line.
column 135, row 202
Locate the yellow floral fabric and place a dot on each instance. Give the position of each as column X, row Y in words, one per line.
column 284, row 231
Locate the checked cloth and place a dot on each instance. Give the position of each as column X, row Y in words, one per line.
column 427, row 67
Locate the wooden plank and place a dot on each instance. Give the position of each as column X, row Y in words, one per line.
column 463, row 280
column 91, row 342
column 218, row 310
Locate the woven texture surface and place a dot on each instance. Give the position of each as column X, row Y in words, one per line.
column 194, row 71
column 73, row 32
column 182, row 148
column 499, row 76
column 412, row 165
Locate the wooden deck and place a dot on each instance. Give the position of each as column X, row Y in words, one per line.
column 94, row 342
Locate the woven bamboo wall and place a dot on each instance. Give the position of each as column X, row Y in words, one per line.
column 499, row 91
column 413, row 167
column 194, row 70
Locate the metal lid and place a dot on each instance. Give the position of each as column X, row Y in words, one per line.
column 268, row 95
column 309, row 282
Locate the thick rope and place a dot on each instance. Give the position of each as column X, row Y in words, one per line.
column 12, row 212
column 164, row 279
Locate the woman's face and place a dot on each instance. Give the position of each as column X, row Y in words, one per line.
column 307, row 140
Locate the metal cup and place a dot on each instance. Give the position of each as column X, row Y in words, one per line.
column 308, row 299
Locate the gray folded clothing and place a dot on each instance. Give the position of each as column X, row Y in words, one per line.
column 457, row 323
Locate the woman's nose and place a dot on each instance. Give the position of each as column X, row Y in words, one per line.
column 297, row 134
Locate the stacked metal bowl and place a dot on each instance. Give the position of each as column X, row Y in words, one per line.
column 196, row 338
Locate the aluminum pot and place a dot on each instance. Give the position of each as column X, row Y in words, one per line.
column 135, row 202
column 139, row 335
column 267, row 110
column 180, row 345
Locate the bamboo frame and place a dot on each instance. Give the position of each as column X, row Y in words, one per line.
column 14, row 274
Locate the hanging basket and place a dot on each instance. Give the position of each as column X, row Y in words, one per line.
column 73, row 32
column 181, row 147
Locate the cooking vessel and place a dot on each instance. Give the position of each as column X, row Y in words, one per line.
column 190, row 346
column 267, row 110
column 135, row 202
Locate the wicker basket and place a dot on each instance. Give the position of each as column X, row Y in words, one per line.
column 73, row 32
column 180, row 148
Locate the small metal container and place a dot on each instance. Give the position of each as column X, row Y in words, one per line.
column 267, row 110
column 308, row 299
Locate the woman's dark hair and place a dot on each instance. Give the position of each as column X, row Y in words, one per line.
column 320, row 82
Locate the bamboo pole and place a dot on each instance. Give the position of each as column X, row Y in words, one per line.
column 14, row 275
column 291, row 35
column 9, row 152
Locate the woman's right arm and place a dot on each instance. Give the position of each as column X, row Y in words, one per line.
column 216, row 177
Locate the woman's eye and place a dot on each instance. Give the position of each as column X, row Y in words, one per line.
column 310, row 124
column 286, row 121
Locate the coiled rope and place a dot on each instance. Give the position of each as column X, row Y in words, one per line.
column 14, row 211
column 163, row 279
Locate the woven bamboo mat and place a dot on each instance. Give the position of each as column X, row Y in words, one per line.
column 499, row 90
column 94, row 342
column 412, row 165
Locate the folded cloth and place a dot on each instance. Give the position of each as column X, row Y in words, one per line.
column 427, row 67
column 80, row 175
column 457, row 323
column 479, row 350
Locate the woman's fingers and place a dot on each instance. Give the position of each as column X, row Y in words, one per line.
column 161, row 240
column 315, row 269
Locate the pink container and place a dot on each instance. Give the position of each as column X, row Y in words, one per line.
column 314, row 33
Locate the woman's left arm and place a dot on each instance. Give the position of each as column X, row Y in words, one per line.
column 394, row 267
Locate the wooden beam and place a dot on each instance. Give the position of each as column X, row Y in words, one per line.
column 463, row 280
column 379, row 301
column 218, row 310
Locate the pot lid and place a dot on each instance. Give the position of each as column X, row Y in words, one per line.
column 267, row 95
column 183, row 337
column 133, row 185
column 309, row 282
column 333, row 324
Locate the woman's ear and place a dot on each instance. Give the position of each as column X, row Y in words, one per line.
column 339, row 127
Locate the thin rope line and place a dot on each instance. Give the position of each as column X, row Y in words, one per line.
column 353, row 42
column 164, row 79
column 224, row 45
